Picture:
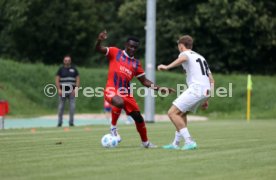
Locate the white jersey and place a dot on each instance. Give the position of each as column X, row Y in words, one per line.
column 196, row 68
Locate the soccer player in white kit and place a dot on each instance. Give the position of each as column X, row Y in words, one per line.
column 199, row 80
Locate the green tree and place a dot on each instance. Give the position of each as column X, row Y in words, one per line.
column 55, row 28
column 11, row 18
column 132, row 15
column 50, row 29
column 236, row 35
column 107, row 19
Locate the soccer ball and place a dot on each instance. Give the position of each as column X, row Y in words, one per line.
column 118, row 137
column 109, row 141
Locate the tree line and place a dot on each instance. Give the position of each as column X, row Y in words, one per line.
column 234, row 36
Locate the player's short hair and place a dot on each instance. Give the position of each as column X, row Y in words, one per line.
column 67, row 55
column 133, row 38
column 187, row 41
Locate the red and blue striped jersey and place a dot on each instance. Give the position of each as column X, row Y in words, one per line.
column 122, row 68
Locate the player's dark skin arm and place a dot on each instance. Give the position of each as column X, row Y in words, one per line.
column 102, row 36
column 116, row 100
column 146, row 82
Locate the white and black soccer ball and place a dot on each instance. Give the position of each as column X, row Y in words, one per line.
column 109, row 141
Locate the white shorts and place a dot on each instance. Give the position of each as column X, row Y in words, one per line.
column 193, row 97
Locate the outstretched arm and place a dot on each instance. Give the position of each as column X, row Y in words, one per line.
column 146, row 82
column 175, row 63
column 101, row 37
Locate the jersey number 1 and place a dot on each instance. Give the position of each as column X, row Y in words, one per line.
column 203, row 66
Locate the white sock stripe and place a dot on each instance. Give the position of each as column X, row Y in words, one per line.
column 186, row 135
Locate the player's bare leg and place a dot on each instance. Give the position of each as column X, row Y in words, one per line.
column 179, row 119
column 176, row 117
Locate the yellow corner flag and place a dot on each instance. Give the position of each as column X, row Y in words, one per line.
column 249, row 89
column 249, row 82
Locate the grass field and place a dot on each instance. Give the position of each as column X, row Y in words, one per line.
column 227, row 150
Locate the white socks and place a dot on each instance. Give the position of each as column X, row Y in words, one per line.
column 177, row 139
column 113, row 130
column 182, row 133
column 111, row 126
column 186, row 135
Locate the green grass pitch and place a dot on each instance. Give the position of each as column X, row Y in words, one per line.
column 227, row 150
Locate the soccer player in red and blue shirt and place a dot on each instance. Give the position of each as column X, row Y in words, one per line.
column 122, row 68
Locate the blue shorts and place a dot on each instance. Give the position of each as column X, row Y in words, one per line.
column 107, row 109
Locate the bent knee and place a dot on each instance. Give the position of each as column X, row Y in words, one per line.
column 120, row 105
column 118, row 102
column 170, row 113
column 174, row 111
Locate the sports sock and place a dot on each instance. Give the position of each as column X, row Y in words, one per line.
column 112, row 126
column 186, row 135
column 142, row 130
column 177, row 138
column 116, row 112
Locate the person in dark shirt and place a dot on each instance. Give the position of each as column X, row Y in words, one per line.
column 67, row 79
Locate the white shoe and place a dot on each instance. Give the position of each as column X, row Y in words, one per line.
column 149, row 145
column 114, row 132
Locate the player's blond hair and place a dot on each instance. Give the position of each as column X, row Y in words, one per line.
column 187, row 41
